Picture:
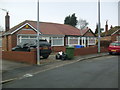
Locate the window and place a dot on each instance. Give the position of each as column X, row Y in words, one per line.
column 57, row 41
column 33, row 37
column 73, row 41
column 26, row 39
column 92, row 41
column 25, row 36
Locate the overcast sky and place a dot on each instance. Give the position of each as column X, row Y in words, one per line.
column 55, row 11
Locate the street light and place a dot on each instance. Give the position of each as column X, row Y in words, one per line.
column 98, row 26
column 38, row 32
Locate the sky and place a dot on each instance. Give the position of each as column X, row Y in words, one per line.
column 55, row 11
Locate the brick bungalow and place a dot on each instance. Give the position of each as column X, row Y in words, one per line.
column 59, row 35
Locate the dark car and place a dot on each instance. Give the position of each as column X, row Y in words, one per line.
column 44, row 46
column 114, row 47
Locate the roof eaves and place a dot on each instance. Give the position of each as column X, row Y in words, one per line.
column 83, row 33
column 115, row 32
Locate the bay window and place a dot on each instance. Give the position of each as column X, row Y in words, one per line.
column 57, row 41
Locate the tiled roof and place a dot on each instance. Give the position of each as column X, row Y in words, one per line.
column 111, row 31
column 56, row 29
column 51, row 28
column 84, row 31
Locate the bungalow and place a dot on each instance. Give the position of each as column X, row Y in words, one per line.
column 59, row 35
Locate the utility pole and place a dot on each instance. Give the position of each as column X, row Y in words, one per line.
column 98, row 26
column 38, row 32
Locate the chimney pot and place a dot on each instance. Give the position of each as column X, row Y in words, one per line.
column 106, row 28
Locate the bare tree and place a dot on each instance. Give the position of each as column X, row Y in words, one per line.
column 82, row 24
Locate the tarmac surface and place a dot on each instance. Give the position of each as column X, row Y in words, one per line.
column 11, row 70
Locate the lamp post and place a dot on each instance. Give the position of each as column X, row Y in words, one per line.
column 38, row 32
column 98, row 26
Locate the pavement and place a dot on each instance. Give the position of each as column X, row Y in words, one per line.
column 11, row 70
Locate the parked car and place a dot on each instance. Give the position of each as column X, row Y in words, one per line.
column 114, row 47
column 45, row 47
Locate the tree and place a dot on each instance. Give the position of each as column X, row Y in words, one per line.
column 67, row 20
column 96, row 30
column 82, row 24
column 71, row 20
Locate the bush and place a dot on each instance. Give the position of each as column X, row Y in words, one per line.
column 104, row 43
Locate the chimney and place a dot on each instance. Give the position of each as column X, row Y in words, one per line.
column 111, row 27
column 106, row 28
column 7, row 22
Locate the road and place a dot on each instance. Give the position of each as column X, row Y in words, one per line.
column 99, row 72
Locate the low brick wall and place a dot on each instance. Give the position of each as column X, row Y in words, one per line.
column 30, row 57
column 27, row 57
column 88, row 50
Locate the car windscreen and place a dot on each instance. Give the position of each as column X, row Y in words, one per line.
column 115, row 44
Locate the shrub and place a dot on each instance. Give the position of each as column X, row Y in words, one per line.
column 104, row 43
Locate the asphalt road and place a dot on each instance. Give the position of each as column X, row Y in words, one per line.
column 99, row 72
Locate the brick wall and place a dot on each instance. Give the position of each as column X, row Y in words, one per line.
column 14, row 40
column 9, row 43
column 81, row 51
column 4, row 43
column 88, row 50
column 27, row 57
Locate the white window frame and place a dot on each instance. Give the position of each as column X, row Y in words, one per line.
column 78, row 39
column 93, row 42
column 52, row 38
column 20, row 37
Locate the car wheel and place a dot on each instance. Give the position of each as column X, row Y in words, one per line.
column 45, row 56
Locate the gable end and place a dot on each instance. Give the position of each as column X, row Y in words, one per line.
column 22, row 27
